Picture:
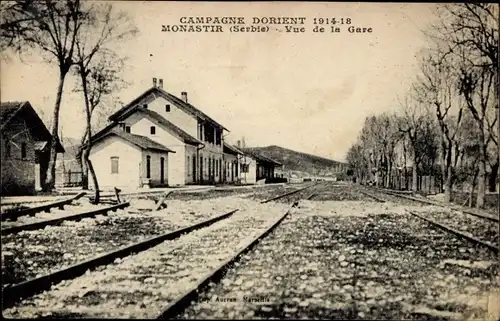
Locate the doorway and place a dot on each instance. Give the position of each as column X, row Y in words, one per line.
column 194, row 169
column 162, row 170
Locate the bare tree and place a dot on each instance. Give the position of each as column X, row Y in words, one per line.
column 16, row 18
column 436, row 86
column 415, row 122
column 51, row 27
column 98, row 68
column 469, row 33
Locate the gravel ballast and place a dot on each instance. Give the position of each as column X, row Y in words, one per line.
column 135, row 287
column 357, row 260
column 30, row 254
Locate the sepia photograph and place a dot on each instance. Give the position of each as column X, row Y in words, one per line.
column 249, row 160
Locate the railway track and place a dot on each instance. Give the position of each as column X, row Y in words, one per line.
column 460, row 220
column 430, row 202
column 46, row 207
column 59, row 220
column 249, row 227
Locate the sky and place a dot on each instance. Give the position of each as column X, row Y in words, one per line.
column 308, row 91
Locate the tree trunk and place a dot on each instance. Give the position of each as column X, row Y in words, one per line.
column 443, row 166
column 81, row 161
column 414, row 183
column 448, row 185
column 448, row 177
column 481, row 184
column 471, row 195
column 492, row 179
column 86, row 153
column 84, row 166
column 481, row 177
column 51, row 169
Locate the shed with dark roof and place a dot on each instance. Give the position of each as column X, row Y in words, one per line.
column 25, row 148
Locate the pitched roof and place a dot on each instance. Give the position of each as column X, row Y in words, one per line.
column 9, row 110
column 138, row 140
column 179, row 102
column 187, row 138
column 170, row 126
column 232, row 148
column 259, row 156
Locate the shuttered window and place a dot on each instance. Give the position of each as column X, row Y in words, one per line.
column 114, row 165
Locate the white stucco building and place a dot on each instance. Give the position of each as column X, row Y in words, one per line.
column 192, row 141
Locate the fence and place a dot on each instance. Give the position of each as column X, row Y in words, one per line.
column 70, row 178
column 427, row 184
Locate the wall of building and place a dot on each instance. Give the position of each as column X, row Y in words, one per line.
column 212, row 173
column 18, row 174
column 249, row 177
column 265, row 170
column 129, row 163
column 176, row 161
column 180, row 172
column 190, row 154
column 155, row 163
column 177, row 116
column 230, row 164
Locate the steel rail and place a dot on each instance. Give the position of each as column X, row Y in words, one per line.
column 182, row 302
column 378, row 199
column 14, row 293
column 458, row 233
column 37, row 209
column 288, row 194
column 447, row 228
column 310, row 197
column 59, row 220
column 430, row 202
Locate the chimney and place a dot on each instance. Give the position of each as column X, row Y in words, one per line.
column 154, row 82
column 238, row 143
column 160, row 84
column 184, row 96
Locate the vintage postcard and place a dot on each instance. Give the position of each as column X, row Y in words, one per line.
column 249, row 160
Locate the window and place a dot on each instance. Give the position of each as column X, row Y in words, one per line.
column 217, row 137
column 127, row 129
column 145, row 106
column 167, row 108
column 148, row 166
column 23, row 150
column 114, row 165
column 188, row 164
column 7, row 148
column 122, row 126
column 152, row 130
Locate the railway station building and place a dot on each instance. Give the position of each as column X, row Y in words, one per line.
column 195, row 141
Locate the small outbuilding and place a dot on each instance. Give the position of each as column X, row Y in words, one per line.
column 127, row 160
column 25, row 149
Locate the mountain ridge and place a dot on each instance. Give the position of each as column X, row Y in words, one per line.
column 307, row 164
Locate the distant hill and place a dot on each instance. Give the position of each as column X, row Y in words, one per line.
column 302, row 164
